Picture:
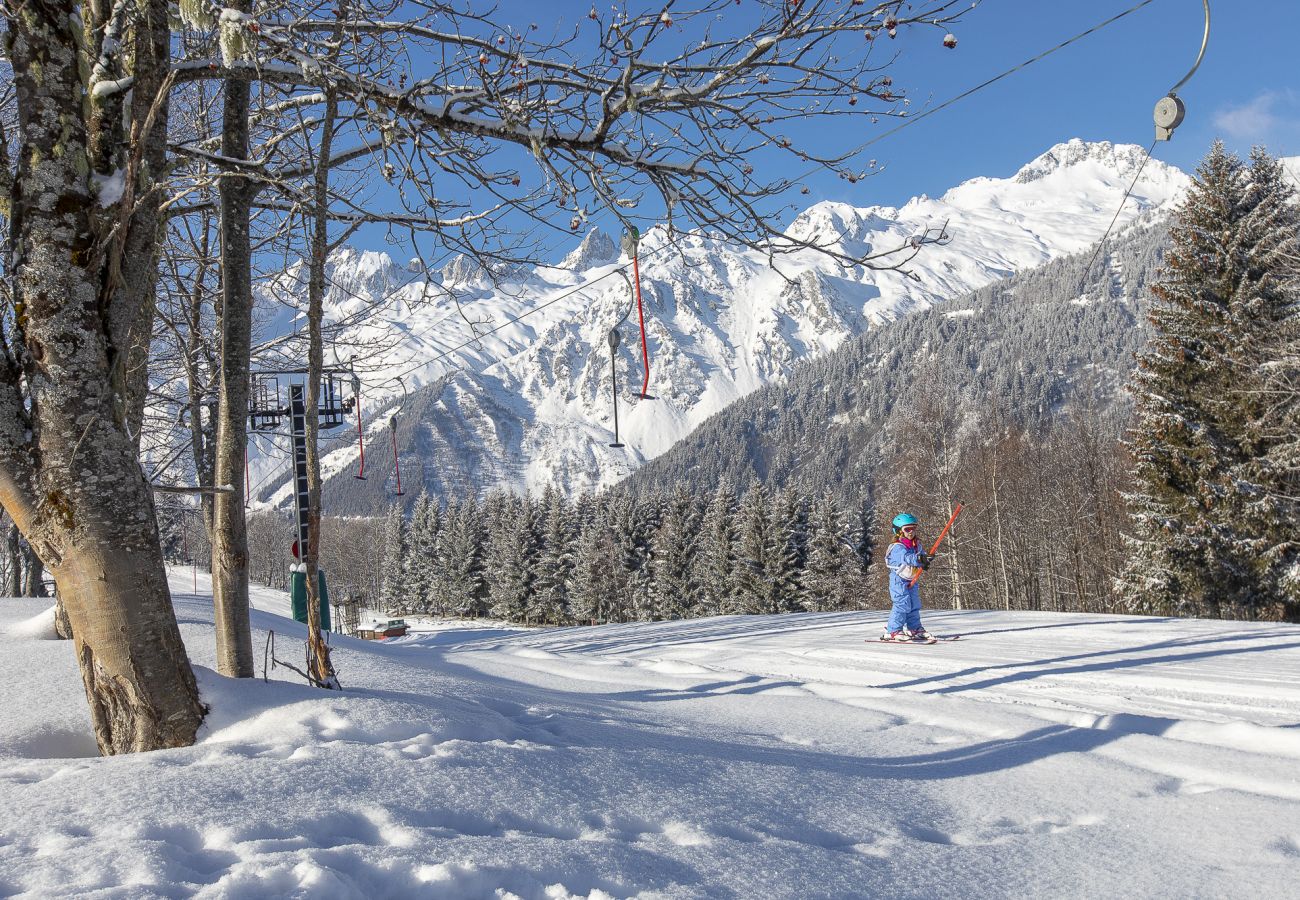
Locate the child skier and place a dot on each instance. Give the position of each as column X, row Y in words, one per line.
column 903, row 559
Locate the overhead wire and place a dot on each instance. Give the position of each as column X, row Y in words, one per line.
column 513, row 320
column 912, row 120
column 1123, row 200
column 1164, row 131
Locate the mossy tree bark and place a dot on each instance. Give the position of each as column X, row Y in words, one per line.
column 69, row 473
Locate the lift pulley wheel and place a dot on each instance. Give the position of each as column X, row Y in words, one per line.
column 1169, row 114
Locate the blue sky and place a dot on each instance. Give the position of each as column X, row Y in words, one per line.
column 1246, row 91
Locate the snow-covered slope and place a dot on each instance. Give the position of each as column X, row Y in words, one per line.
column 530, row 404
column 1042, row 755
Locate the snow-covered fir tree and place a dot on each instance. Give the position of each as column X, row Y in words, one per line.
column 512, row 560
column 790, row 519
column 421, row 555
column 715, row 560
column 1269, row 477
column 1279, row 466
column 675, row 549
column 633, row 523
column 761, row 564
column 864, row 533
column 549, row 601
column 595, row 559
column 460, row 559
column 439, row 585
column 1206, row 539
column 497, row 506
column 392, row 591
column 829, row 580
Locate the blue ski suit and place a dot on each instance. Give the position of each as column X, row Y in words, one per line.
column 903, row 564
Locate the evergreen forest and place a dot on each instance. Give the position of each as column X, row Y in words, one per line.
column 1120, row 431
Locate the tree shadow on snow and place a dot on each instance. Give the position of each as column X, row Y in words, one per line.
column 632, row 636
column 963, row 616
column 1029, row 669
column 600, row 723
column 749, row 684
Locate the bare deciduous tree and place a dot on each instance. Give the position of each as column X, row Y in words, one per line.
column 83, row 218
column 688, row 106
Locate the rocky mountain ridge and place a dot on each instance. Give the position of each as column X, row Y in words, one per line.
column 530, row 405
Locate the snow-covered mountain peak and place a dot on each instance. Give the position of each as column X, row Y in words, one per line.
column 1068, row 190
column 596, row 249
column 833, row 221
column 1122, row 159
column 361, row 272
column 529, row 403
column 1055, row 196
column 463, row 271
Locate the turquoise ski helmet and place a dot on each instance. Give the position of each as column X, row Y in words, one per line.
column 903, row 519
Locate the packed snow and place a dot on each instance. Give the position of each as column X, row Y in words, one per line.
column 1041, row 754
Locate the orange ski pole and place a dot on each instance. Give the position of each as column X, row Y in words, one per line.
column 937, row 542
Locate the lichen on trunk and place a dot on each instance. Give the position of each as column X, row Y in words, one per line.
column 70, row 476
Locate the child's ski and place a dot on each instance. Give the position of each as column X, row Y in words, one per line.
column 932, row 639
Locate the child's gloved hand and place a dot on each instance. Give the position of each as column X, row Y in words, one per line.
column 924, row 559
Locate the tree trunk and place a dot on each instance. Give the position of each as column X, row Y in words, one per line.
column 230, row 532
column 69, row 473
column 14, row 557
column 953, row 552
column 123, row 647
column 201, row 437
column 997, row 521
column 322, row 670
column 33, row 574
column 62, row 621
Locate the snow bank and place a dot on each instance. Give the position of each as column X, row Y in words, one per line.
column 43, row 705
column 39, row 626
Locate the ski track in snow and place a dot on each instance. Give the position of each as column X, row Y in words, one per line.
column 769, row 756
